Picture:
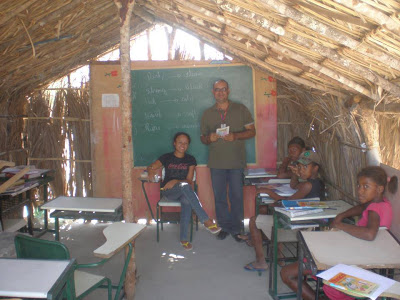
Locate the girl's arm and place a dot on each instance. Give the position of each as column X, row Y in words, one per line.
column 367, row 233
column 303, row 189
column 351, row 212
column 189, row 179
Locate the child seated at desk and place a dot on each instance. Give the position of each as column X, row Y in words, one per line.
column 296, row 146
column 375, row 211
column 177, row 185
column 308, row 170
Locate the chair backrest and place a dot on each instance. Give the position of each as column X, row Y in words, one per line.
column 29, row 247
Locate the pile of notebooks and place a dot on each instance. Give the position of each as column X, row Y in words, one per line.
column 295, row 208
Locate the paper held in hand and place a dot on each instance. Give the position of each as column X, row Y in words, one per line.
column 223, row 131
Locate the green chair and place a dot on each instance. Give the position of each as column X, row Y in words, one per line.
column 83, row 283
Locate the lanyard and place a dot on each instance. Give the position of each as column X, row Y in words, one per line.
column 223, row 115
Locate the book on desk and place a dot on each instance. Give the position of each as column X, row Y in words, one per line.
column 32, row 173
column 282, row 189
column 259, row 173
column 356, row 280
column 304, row 204
column 299, row 212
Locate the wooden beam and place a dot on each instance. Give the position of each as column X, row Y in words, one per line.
column 283, row 50
column 242, row 55
column 6, row 163
column 14, row 179
column 327, row 52
column 332, row 33
column 374, row 14
column 125, row 9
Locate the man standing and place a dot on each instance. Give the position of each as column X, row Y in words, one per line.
column 224, row 127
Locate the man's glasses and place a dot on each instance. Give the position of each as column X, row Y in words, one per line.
column 224, row 89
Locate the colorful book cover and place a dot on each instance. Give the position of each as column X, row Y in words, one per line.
column 353, row 284
column 292, row 204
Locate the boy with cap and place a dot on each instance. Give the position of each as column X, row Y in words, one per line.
column 307, row 169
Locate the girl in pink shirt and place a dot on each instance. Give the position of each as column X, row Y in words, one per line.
column 375, row 211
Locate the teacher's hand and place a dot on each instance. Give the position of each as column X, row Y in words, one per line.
column 229, row 137
column 213, row 137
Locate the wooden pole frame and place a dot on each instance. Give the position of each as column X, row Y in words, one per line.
column 125, row 9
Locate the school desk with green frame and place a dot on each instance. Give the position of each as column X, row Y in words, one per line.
column 35, row 278
column 87, row 208
column 324, row 249
column 336, row 207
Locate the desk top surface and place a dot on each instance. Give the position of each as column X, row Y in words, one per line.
column 19, row 277
column 118, row 235
column 339, row 205
column 84, row 204
column 329, row 248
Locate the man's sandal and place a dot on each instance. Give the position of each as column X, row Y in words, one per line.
column 213, row 228
column 187, row 246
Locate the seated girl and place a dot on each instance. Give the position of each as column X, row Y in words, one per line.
column 308, row 169
column 375, row 211
column 177, row 185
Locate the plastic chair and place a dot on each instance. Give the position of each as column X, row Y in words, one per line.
column 172, row 217
column 83, row 283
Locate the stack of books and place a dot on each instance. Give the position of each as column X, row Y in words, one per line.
column 300, row 207
column 32, row 173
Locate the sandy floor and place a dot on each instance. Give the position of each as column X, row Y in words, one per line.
column 212, row 270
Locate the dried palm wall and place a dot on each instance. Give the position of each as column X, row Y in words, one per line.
column 389, row 139
column 58, row 137
column 326, row 124
column 11, row 126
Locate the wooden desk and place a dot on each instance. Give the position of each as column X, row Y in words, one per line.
column 88, row 208
column 340, row 206
column 328, row 248
column 33, row 278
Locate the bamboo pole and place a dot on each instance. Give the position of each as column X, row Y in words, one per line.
column 283, row 50
column 125, row 9
column 245, row 57
column 372, row 13
column 324, row 51
column 331, row 33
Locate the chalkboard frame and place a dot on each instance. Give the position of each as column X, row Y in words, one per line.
column 213, row 72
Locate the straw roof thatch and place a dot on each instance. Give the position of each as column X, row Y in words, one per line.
column 341, row 47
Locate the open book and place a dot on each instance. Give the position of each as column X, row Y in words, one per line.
column 356, row 281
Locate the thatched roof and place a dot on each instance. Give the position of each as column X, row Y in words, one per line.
column 342, row 47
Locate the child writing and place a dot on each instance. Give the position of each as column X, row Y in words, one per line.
column 308, row 168
column 375, row 211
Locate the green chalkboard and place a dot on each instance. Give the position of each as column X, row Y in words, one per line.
column 165, row 101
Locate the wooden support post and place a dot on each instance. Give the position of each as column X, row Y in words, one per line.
column 370, row 129
column 125, row 9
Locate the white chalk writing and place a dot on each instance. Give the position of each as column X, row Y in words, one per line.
column 188, row 114
column 194, row 86
column 151, row 127
column 151, row 90
column 155, row 75
column 152, row 115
